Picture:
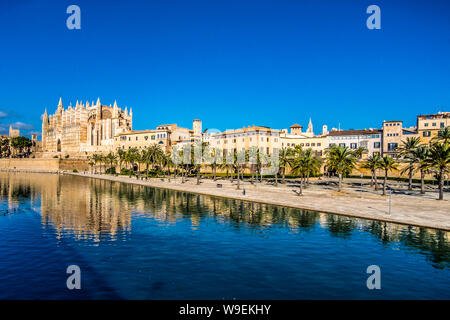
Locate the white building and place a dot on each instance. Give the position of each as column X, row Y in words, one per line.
column 371, row 139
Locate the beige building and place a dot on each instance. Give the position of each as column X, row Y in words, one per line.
column 13, row 133
column 306, row 140
column 265, row 139
column 84, row 128
column 429, row 125
column 166, row 136
column 393, row 134
column 142, row 139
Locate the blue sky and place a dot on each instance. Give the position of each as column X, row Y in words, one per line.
column 230, row 63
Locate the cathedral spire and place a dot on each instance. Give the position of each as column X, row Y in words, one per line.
column 310, row 126
column 98, row 102
column 60, row 104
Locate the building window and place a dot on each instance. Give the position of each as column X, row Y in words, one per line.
column 392, row 146
column 434, row 124
column 442, row 125
column 425, row 124
column 307, row 144
column 313, row 144
column 353, row 145
column 136, row 138
column 426, row 133
column 376, row 144
column 341, row 144
column 319, row 144
column 146, row 137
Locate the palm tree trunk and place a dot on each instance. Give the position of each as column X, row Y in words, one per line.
column 422, row 182
column 198, row 176
column 340, row 182
column 283, row 181
column 410, row 179
column 371, row 179
column 301, row 187
column 376, row 182
column 384, row 184
column 238, row 180
column 441, row 184
column 215, row 171
column 276, row 179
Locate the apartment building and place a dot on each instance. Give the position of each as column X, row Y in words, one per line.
column 429, row 125
column 306, row 140
column 265, row 139
column 371, row 140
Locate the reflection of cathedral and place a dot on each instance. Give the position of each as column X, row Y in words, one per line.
column 84, row 128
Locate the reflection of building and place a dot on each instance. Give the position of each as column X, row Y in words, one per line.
column 85, row 128
column 83, row 208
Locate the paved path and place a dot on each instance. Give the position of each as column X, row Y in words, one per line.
column 406, row 209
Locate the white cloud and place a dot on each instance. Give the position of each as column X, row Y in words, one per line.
column 3, row 114
column 23, row 126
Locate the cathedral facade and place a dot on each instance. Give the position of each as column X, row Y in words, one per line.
column 84, row 128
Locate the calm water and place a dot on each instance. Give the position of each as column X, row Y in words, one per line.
column 135, row 242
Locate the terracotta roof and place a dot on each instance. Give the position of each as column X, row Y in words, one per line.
column 296, row 126
column 354, row 132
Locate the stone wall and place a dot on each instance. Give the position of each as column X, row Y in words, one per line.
column 35, row 165
column 44, row 165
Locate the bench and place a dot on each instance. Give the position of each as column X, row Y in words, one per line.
column 219, row 185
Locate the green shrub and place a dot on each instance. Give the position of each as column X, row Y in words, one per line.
column 126, row 172
column 67, row 156
column 111, row 170
column 75, row 170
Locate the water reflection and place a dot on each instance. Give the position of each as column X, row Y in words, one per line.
column 101, row 210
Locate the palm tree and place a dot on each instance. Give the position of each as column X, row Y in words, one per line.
column 443, row 135
column 372, row 163
column 406, row 150
column 422, row 154
column 110, row 159
column 91, row 164
column 285, row 160
column 387, row 163
column 439, row 159
column 121, row 158
column 312, row 163
column 97, row 158
column 342, row 160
